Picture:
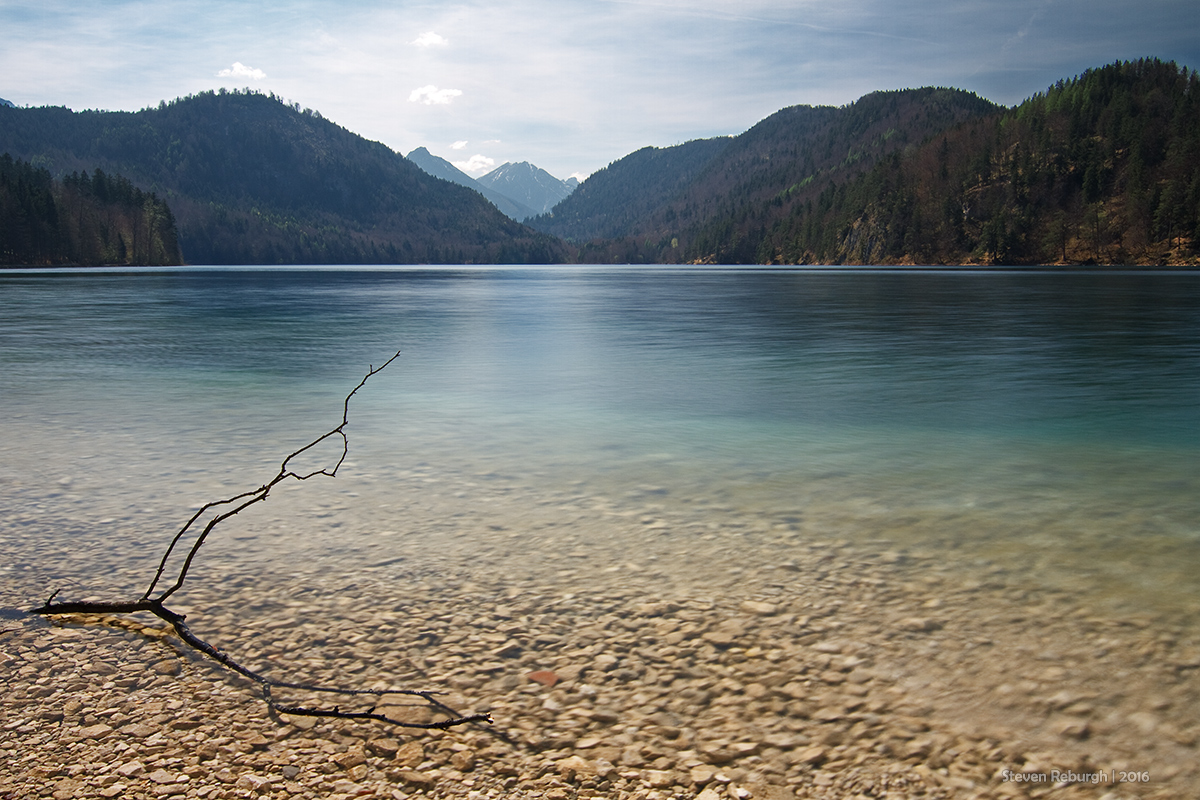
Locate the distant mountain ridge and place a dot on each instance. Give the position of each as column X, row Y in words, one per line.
column 613, row 201
column 1100, row 169
column 689, row 202
column 528, row 185
column 1103, row 168
column 252, row 180
column 441, row 168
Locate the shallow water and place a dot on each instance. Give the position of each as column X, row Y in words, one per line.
column 1042, row 426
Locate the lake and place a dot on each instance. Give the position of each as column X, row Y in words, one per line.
column 815, row 533
column 1046, row 424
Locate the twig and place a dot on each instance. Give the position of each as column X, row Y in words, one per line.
column 236, row 504
column 260, row 494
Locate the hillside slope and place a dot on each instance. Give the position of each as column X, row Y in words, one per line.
column 441, row 168
column 86, row 220
column 253, row 180
column 614, row 201
column 1101, row 169
column 712, row 200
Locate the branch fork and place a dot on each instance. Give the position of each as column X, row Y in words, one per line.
column 229, row 507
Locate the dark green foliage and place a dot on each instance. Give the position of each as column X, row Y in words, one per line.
column 85, row 220
column 1104, row 168
column 613, row 201
column 254, row 180
column 722, row 209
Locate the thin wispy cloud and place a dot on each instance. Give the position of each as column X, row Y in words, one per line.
column 433, row 96
column 459, row 145
column 240, row 70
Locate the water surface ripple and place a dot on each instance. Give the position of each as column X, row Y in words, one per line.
column 1044, row 425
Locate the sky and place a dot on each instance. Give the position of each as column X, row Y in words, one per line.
column 569, row 85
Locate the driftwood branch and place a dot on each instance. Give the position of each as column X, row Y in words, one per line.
column 229, row 507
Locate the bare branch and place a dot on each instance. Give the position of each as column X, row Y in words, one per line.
column 262, row 492
column 162, row 565
column 237, row 504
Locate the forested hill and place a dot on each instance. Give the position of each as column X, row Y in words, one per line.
column 1103, row 169
column 1100, row 169
column 614, row 201
column 713, row 199
column 252, row 180
column 85, row 219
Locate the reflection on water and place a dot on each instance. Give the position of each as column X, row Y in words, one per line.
column 1044, row 425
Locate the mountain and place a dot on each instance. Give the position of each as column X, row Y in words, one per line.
column 713, row 199
column 88, row 220
column 4, row 102
column 441, row 168
column 528, row 185
column 252, row 180
column 1100, row 169
column 614, row 200
column 1103, row 168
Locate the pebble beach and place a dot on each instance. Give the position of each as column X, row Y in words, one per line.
column 628, row 645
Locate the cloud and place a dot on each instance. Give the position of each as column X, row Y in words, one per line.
column 433, row 96
column 476, row 164
column 240, row 70
column 569, row 86
column 459, row 145
column 430, row 39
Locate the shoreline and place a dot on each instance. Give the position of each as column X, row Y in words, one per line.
column 839, row 671
column 705, row 643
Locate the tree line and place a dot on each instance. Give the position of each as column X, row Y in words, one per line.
column 724, row 194
column 254, row 180
column 84, row 219
column 1101, row 169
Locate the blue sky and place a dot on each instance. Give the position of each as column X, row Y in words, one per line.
column 567, row 85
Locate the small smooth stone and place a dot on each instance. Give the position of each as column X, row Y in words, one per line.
column 543, row 676
column 97, row 731
column 659, row 778
column 758, row 607
column 161, row 776
column 410, row 754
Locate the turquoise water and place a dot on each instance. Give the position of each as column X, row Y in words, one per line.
column 1043, row 423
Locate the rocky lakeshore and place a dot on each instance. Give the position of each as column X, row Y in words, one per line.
column 625, row 650
column 630, row 643
column 684, row 534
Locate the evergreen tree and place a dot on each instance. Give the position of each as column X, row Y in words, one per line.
column 84, row 219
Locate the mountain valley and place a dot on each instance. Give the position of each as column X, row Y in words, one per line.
column 1103, row 168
